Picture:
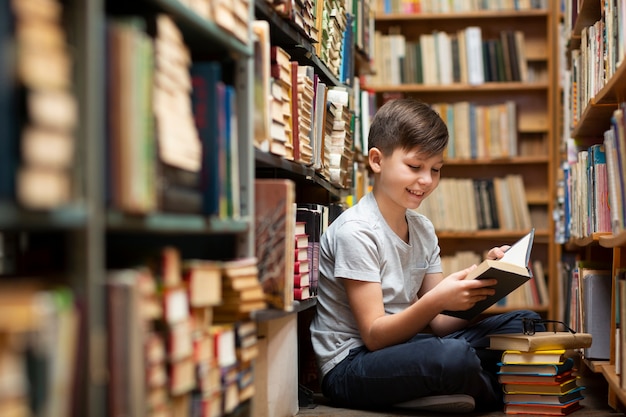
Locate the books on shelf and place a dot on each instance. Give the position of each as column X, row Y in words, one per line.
column 511, row 271
column 41, row 161
column 491, row 203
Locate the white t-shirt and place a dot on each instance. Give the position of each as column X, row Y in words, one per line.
column 360, row 245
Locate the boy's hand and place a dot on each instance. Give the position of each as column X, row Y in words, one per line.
column 456, row 293
column 497, row 252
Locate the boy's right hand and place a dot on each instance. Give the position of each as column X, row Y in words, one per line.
column 457, row 293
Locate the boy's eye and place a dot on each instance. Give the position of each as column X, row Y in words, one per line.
column 436, row 169
column 414, row 166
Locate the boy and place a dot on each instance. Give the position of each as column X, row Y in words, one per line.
column 381, row 287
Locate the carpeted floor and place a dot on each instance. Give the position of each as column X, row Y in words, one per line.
column 595, row 405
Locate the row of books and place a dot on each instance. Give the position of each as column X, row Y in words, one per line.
column 173, row 143
column 588, row 304
column 596, row 60
column 442, row 58
column 299, row 117
column 593, row 187
column 435, row 6
column 169, row 352
column 38, row 168
column 538, row 371
column 480, row 131
column 588, row 209
column 328, row 26
column 492, row 203
column 287, row 238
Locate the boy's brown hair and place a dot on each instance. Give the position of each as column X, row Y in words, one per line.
column 407, row 123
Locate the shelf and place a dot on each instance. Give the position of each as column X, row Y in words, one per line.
column 272, row 314
column 594, row 121
column 613, row 241
column 292, row 39
column 586, row 241
column 13, row 217
column 518, row 160
column 613, row 379
column 588, row 13
column 489, row 234
column 195, row 28
column 293, row 170
column 488, row 87
column 173, row 223
column 481, row 14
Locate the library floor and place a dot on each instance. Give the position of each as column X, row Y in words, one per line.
column 595, row 405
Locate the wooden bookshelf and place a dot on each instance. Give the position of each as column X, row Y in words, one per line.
column 534, row 99
column 589, row 122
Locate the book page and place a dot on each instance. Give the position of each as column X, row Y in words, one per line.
column 519, row 253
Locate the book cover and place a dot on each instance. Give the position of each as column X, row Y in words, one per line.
column 543, row 409
column 205, row 77
column 539, row 341
column 596, row 312
column 557, row 388
column 539, row 379
column 555, row 356
column 275, row 220
column 511, row 271
column 548, row 399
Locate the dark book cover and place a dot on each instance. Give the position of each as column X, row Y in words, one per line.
column 9, row 152
column 205, row 77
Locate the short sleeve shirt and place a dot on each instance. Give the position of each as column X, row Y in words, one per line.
column 360, row 245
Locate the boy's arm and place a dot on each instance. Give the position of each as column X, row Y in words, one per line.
column 379, row 330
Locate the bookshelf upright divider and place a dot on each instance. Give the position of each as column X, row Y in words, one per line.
column 592, row 147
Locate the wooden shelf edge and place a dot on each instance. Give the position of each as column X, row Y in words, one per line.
column 488, row 234
column 612, row 378
column 272, row 314
column 479, row 14
column 612, row 241
column 487, row 87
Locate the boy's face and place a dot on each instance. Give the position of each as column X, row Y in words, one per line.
column 406, row 177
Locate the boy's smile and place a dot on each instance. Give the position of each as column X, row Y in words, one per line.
column 405, row 178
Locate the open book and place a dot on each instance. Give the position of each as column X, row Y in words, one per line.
column 511, row 271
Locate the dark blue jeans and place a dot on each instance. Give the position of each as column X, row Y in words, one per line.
column 425, row 365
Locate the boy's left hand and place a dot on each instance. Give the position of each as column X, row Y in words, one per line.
column 497, row 252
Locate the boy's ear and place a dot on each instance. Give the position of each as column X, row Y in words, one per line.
column 375, row 157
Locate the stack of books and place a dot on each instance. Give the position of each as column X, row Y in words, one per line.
column 537, row 372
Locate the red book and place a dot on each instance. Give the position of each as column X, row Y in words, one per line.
column 301, row 280
column 301, row 266
column 301, row 293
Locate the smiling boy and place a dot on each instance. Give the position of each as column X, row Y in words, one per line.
column 378, row 334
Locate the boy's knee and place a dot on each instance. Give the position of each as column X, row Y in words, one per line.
column 460, row 356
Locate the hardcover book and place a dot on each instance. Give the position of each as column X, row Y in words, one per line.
column 550, row 369
column 555, row 356
column 543, row 409
column 275, row 220
column 511, row 271
column 539, row 341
